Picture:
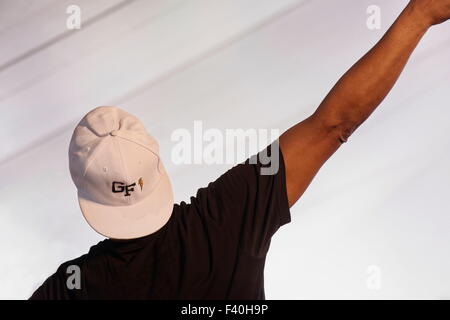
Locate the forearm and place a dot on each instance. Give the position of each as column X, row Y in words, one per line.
column 307, row 145
column 362, row 88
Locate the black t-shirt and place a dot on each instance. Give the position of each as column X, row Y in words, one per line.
column 213, row 248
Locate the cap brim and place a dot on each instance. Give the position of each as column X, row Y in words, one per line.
column 133, row 221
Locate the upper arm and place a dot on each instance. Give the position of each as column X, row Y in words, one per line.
column 306, row 147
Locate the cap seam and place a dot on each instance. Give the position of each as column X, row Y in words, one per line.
column 143, row 146
column 120, row 153
column 127, row 177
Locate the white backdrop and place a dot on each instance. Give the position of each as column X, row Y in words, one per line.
column 381, row 201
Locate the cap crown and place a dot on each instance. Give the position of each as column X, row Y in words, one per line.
column 113, row 160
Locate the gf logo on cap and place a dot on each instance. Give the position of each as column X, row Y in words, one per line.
column 119, row 187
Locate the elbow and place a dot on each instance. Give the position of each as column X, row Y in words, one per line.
column 341, row 128
column 345, row 130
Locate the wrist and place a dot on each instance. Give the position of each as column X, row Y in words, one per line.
column 418, row 15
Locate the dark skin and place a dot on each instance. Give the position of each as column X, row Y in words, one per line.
column 309, row 144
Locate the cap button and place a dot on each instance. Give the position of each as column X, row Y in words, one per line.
column 113, row 133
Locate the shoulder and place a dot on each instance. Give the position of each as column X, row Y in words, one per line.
column 60, row 285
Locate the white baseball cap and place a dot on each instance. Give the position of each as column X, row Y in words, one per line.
column 124, row 191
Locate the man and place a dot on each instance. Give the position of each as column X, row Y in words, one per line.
column 215, row 246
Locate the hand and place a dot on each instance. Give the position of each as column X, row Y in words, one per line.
column 432, row 11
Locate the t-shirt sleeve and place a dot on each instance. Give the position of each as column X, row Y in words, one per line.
column 52, row 289
column 55, row 287
column 250, row 200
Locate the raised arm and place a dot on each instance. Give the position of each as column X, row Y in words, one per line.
column 308, row 145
